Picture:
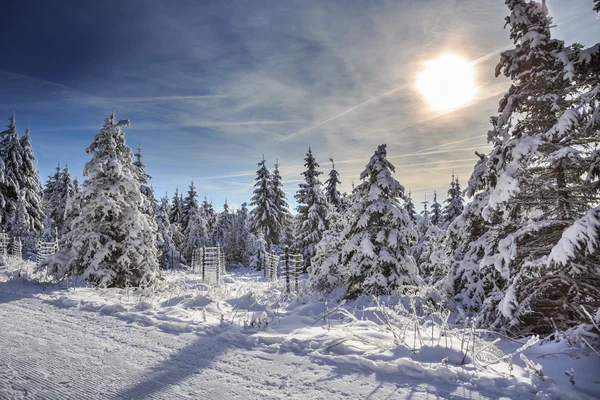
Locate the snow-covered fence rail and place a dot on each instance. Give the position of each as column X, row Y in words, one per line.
column 4, row 244
column 210, row 262
column 293, row 267
column 17, row 248
column 44, row 250
column 271, row 266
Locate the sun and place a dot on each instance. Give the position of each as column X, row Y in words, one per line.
column 447, row 82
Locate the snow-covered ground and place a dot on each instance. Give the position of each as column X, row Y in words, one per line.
column 247, row 339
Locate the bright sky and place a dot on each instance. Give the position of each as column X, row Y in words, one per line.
column 210, row 86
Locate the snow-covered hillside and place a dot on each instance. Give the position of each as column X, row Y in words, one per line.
column 246, row 338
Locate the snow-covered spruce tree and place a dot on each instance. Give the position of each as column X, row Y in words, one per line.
column 51, row 199
column 220, row 236
column 111, row 242
column 31, row 187
column 540, row 179
column 281, row 207
column 327, row 273
column 332, row 193
column 436, row 211
column 264, row 215
column 196, row 234
column 144, row 179
column 411, row 210
column 169, row 254
column 421, row 250
column 433, row 262
column 190, row 206
column 12, row 156
column 59, row 190
column 379, row 233
column 210, row 215
column 455, row 203
column 239, row 238
column 312, row 211
column 258, row 251
column 424, row 219
column 176, row 210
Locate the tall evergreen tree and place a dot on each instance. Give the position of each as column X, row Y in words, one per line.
column 455, row 203
column 111, row 241
column 169, row 254
column 12, row 155
column 209, row 214
column 239, row 238
column 331, row 191
column 144, row 179
column 411, row 210
column 379, row 233
column 31, row 187
column 281, row 206
column 196, row 233
column 176, row 210
column 436, row 211
column 521, row 259
column 190, row 206
column 424, row 219
column 264, row 216
column 52, row 199
column 312, row 211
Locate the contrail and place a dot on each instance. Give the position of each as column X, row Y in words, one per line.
column 162, row 98
column 293, row 135
column 301, row 132
column 450, row 144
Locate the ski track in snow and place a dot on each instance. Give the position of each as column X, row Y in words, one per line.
column 48, row 352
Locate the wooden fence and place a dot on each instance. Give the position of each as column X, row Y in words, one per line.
column 210, row 263
column 287, row 266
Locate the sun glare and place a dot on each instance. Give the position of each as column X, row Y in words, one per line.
column 447, row 82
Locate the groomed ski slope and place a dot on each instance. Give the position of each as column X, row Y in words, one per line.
column 85, row 343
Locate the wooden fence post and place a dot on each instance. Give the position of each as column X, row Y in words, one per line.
column 218, row 269
column 296, row 271
column 287, row 269
column 203, row 261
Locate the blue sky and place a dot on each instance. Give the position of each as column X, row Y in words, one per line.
column 211, row 86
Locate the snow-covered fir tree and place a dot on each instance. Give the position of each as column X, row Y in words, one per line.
column 332, row 193
column 379, row 233
column 31, row 188
column 176, row 210
column 59, row 189
column 455, row 203
column 169, row 253
column 196, row 234
column 12, row 156
column 411, row 209
column 209, row 213
column 239, row 238
column 436, row 211
column 51, row 199
column 111, row 242
column 327, row 273
column 264, row 216
column 528, row 256
column 258, row 250
column 283, row 215
column 190, row 207
column 144, row 179
column 424, row 218
column 220, row 236
column 312, row 211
